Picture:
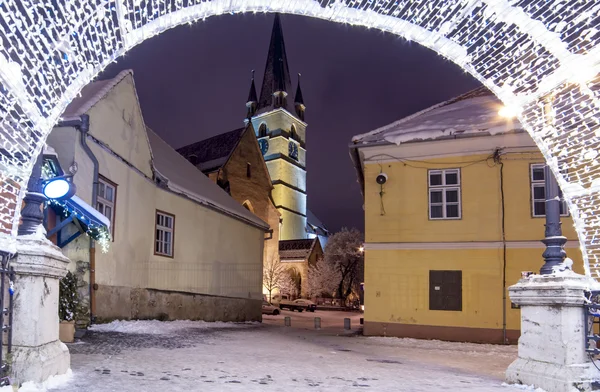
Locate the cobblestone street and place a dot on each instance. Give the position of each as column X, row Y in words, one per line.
column 262, row 357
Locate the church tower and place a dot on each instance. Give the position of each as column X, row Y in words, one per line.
column 281, row 131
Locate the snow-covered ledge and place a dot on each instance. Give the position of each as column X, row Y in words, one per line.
column 552, row 352
column 37, row 351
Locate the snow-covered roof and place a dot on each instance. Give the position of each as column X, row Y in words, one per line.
column 314, row 225
column 182, row 177
column 472, row 114
column 91, row 94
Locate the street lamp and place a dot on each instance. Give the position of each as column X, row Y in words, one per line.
column 59, row 188
column 38, row 190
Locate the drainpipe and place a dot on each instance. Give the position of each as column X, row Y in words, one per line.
column 498, row 160
column 83, row 126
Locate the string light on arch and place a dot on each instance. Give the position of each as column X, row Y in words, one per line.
column 525, row 52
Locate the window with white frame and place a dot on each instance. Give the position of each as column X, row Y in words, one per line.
column 444, row 194
column 538, row 192
column 165, row 234
column 107, row 198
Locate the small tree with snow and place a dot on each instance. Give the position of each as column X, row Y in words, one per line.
column 288, row 285
column 322, row 278
column 68, row 298
column 273, row 272
column 343, row 254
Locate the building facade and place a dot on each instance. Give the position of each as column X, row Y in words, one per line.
column 298, row 256
column 454, row 212
column 233, row 160
column 181, row 247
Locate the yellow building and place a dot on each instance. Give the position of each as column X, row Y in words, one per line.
column 454, row 212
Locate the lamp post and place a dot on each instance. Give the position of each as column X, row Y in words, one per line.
column 554, row 241
column 32, row 215
column 38, row 191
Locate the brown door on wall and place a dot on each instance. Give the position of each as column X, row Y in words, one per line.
column 445, row 290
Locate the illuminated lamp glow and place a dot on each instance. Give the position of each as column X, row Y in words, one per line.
column 59, row 189
column 507, row 112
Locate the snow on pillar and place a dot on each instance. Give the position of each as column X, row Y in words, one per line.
column 552, row 352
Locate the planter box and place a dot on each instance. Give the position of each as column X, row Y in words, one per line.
column 67, row 331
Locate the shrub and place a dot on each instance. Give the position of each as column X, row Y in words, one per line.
column 67, row 297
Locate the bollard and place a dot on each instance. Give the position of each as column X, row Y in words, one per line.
column 288, row 321
column 317, row 322
column 347, row 323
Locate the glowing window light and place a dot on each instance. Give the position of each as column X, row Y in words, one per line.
column 49, row 50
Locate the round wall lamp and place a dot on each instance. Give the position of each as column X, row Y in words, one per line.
column 58, row 188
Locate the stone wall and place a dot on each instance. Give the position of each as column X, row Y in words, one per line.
column 124, row 303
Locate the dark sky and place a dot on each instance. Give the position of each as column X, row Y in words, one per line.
column 193, row 82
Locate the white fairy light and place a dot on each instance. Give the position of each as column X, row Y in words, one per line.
column 525, row 54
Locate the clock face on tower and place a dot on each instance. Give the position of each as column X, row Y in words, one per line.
column 264, row 145
column 293, row 150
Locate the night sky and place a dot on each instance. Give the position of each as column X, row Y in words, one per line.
column 193, row 82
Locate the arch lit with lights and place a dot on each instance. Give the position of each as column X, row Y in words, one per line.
column 540, row 57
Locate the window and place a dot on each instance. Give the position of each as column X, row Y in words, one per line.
column 538, row 192
column 248, row 170
column 294, row 133
column 262, row 130
column 107, row 198
column 165, row 234
column 445, row 290
column 444, row 194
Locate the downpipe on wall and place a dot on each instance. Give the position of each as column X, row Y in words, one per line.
column 83, row 126
column 498, row 160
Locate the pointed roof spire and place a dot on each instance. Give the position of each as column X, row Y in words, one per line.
column 277, row 73
column 299, row 99
column 252, row 94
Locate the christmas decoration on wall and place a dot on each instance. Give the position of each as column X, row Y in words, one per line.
column 540, row 57
column 95, row 231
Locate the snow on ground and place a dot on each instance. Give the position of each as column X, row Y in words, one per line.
column 195, row 356
column 52, row 383
column 155, row 327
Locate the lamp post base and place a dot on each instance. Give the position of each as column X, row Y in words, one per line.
column 552, row 352
column 37, row 351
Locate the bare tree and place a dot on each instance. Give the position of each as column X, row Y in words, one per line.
column 273, row 272
column 344, row 253
column 322, row 278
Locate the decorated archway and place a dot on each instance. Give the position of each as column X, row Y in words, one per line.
column 540, row 57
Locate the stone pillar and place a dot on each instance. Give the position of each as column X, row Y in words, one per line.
column 552, row 352
column 37, row 352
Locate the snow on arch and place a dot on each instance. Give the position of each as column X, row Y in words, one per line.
column 540, row 57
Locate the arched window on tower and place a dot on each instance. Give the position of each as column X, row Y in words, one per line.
column 262, row 130
column 294, row 133
column 248, row 205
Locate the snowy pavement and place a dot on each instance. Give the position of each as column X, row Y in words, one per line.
column 197, row 356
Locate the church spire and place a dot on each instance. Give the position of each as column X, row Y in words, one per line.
column 276, row 82
column 252, row 101
column 299, row 101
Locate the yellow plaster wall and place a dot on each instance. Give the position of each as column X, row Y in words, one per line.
column 397, row 285
column 397, row 279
